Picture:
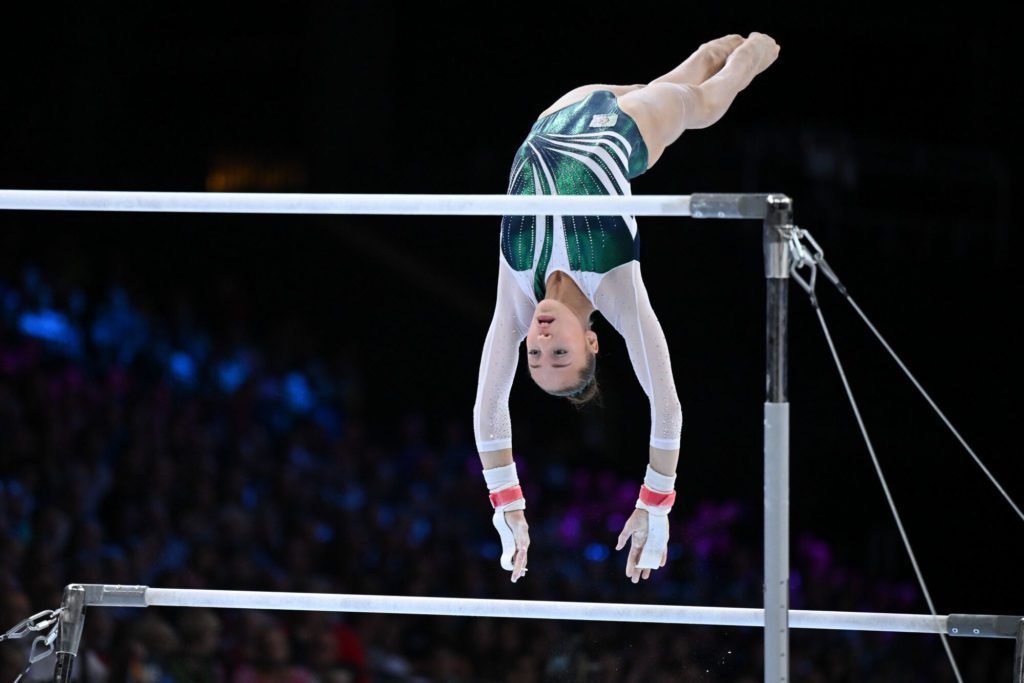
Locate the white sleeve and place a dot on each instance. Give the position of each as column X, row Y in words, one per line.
column 513, row 311
column 622, row 299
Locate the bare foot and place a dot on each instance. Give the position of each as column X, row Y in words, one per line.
column 761, row 49
column 723, row 47
column 713, row 54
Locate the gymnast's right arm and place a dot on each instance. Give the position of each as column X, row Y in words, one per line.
column 492, row 423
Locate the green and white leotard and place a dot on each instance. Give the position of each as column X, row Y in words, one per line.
column 588, row 148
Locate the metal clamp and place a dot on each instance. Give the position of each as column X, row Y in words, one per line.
column 35, row 623
column 812, row 258
column 800, row 257
column 42, row 646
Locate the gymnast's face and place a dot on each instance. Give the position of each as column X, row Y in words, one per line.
column 558, row 346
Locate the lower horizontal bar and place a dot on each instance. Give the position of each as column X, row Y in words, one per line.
column 142, row 596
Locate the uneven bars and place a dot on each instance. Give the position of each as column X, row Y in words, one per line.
column 696, row 205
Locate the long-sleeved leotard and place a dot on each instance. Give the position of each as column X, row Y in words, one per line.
column 590, row 147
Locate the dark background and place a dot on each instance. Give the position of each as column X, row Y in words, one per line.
column 893, row 131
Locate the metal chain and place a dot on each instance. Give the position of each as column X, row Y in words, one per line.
column 811, row 257
column 37, row 622
column 42, row 645
column 801, row 257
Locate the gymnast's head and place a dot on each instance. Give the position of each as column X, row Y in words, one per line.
column 561, row 352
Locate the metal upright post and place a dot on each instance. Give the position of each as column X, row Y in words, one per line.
column 72, row 620
column 1018, row 654
column 776, row 445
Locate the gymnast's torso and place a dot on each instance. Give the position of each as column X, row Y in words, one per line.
column 587, row 148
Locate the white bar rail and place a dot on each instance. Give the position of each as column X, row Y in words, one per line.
column 707, row 205
column 381, row 204
column 143, row 596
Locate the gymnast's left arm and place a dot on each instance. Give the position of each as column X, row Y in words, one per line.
column 623, row 300
column 492, row 423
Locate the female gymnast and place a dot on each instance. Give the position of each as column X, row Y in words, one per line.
column 555, row 271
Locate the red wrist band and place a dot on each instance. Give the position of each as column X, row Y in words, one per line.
column 506, row 496
column 656, row 499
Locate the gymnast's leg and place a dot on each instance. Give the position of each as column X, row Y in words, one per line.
column 669, row 105
column 698, row 67
column 704, row 63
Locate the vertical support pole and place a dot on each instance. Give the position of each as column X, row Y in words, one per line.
column 776, row 444
column 69, row 633
column 1018, row 655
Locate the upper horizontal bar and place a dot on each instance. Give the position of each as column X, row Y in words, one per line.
column 704, row 205
column 142, row 596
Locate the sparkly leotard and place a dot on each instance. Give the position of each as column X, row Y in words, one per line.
column 588, row 148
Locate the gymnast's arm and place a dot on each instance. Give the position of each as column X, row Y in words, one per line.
column 623, row 301
column 499, row 360
column 492, row 423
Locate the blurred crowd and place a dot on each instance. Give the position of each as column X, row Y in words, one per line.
column 141, row 449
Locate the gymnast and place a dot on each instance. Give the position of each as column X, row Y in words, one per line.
column 554, row 272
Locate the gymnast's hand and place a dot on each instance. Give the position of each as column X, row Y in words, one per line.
column 509, row 517
column 652, row 548
column 516, row 521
